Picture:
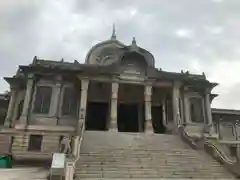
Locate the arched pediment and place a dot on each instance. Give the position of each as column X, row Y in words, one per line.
column 133, row 63
column 147, row 56
column 112, row 52
column 104, row 53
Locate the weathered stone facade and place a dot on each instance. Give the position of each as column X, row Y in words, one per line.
column 118, row 88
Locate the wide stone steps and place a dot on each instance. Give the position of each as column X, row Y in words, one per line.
column 113, row 155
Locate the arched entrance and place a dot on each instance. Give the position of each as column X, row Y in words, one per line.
column 97, row 116
column 130, row 116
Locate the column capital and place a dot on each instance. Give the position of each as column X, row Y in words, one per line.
column 84, row 84
column 207, row 91
column 148, row 90
column 177, row 84
column 58, row 80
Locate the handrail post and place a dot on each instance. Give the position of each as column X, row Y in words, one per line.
column 69, row 170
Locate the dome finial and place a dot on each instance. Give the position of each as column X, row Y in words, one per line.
column 134, row 41
column 114, row 37
column 134, row 46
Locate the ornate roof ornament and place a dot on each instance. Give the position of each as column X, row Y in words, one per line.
column 134, row 43
column 134, row 46
column 114, row 37
column 204, row 75
column 34, row 60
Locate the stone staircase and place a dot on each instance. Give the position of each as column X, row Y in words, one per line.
column 114, row 155
column 24, row 173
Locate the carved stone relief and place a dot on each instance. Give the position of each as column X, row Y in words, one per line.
column 104, row 54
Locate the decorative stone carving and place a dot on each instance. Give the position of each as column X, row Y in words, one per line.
column 65, row 145
column 104, row 53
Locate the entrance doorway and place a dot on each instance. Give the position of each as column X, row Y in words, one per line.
column 96, row 118
column 127, row 118
column 157, row 120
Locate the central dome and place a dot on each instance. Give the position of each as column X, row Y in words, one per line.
column 112, row 51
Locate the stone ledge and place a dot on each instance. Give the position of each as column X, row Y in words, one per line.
column 45, row 128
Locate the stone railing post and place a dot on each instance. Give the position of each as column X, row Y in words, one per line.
column 12, row 104
column 148, row 107
column 114, row 103
column 69, row 170
column 83, row 104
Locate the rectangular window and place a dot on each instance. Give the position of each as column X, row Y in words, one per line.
column 70, row 100
column 196, row 110
column 43, row 99
column 35, row 143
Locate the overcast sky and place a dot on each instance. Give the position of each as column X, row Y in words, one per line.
column 194, row 35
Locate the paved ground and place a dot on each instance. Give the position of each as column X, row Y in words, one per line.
column 23, row 173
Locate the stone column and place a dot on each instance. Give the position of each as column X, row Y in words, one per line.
column 148, row 106
column 140, row 117
column 55, row 100
column 176, row 110
column 83, row 104
column 182, row 116
column 208, row 112
column 12, row 104
column 164, row 118
column 27, row 100
column 186, row 109
column 114, row 103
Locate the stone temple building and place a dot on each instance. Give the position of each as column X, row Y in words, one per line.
column 119, row 109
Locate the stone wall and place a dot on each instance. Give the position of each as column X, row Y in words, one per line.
column 49, row 145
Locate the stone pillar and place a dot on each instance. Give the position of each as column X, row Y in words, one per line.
column 182, row 116
column 176, row 110
column 55, row 100
column 12, row 104
column 186, row 110
column 27, row 100
column 140, row 117
column 83, row 104
column 148, row 106
column 114, row 103
column 164, row 118
column 208, row 112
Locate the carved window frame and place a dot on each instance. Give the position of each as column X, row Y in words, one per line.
column 45, row 83
column 196, row 95
column 77, row 98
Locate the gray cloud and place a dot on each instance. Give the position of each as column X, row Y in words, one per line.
column 186, row 34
